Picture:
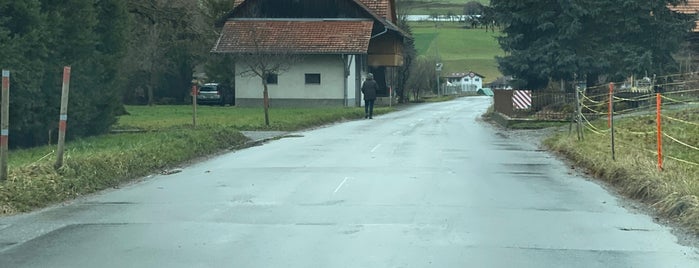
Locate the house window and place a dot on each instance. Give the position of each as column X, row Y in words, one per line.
column 312, row 78
column 272, row 79
column 466, row 79
column 478, row 79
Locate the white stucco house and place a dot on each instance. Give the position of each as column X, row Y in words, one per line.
column 469, row 81
column 335, row 44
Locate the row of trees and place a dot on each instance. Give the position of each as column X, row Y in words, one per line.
column 595, row 40
column 37, row 38
column 133, row 51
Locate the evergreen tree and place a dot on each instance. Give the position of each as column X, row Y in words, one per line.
column 555, row 39
column 39, row 37
column 23, row 52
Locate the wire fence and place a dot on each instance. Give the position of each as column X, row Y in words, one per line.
column 663, row 114
column 665, row 119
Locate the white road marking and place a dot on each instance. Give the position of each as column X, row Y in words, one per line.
column 376, row 147
column 340, row 186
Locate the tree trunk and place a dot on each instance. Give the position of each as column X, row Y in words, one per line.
column 265, row 100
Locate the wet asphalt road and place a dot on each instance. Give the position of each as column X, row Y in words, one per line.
column 430, row 186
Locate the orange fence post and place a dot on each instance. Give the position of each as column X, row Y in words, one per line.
column 658, row 101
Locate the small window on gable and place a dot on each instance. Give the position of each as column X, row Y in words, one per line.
column 313, row 79
column 478, row 79
column 272, row 79
column 466, row 79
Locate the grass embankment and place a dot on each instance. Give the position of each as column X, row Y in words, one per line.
column 461, row 50
column 96, row 163
column 674, row 191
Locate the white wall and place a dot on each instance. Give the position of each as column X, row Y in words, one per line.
column 468, row 81
column 291, row 84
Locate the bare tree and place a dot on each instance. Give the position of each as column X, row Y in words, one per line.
column 422, row 76
column 159, row 26
column 263, row 63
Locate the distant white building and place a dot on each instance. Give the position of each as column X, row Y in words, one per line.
column 469, row 81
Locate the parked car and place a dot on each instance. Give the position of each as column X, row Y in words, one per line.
column 215, row 93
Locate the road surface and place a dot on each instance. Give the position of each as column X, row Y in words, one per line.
column 428, row 186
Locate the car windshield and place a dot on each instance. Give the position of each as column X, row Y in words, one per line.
column 207, row 89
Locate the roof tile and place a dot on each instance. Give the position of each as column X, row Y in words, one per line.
column 295, row 36
column 380, row 7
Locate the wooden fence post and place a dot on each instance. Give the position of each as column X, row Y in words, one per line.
column 5, row 124
column 658, row 108
column 610, row 119
column 195, row 92
column 63, row 117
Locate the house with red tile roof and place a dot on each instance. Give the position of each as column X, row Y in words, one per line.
column 338, row 42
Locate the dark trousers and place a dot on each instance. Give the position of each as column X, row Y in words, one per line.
column 369, row 108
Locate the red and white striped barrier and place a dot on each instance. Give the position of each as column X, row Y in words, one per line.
column 522, row 99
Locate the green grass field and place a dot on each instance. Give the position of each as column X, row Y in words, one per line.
column 439, row 6
column 283, row 119
column 461, row 50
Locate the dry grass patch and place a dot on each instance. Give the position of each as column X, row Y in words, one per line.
column 672, row 192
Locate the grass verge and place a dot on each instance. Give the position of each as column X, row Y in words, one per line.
column 672, row 192
column 167, row 139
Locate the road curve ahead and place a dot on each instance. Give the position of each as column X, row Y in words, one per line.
column 428, row 186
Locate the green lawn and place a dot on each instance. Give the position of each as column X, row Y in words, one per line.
column 461, row 50
column 285, row 119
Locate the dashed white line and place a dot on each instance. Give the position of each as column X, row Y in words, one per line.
column 376, row 147
column 340, row 186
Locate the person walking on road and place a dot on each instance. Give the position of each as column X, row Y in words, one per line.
column 369, row 89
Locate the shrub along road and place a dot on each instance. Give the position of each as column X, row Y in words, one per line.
column 428, row 186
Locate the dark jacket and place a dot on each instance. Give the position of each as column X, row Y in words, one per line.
column 369, row 89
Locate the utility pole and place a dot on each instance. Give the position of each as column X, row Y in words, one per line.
column 438, row 68
column 439, row 64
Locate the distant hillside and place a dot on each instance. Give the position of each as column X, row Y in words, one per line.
column 460, row 49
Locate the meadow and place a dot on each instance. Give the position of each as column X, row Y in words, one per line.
column 460, row 50
column 438, row 7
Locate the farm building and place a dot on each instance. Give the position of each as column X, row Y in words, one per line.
column 336, row 43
